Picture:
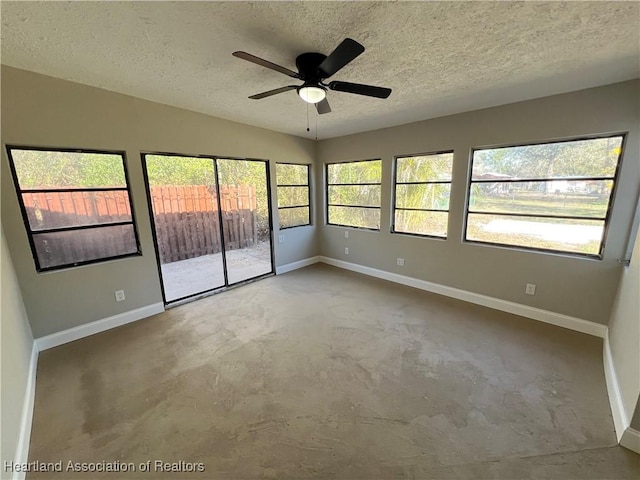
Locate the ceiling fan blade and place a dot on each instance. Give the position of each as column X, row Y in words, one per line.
column 360, row 89
column 264, row 63
column 343, row 54
column 276, row 91
column 323, row 107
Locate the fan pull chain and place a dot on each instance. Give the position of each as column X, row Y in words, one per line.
column 307, row 117
column 317, row 115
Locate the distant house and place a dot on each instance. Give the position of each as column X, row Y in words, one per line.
column 495, row 188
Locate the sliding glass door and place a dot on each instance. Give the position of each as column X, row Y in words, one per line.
column 211, row 221
column 245, row 218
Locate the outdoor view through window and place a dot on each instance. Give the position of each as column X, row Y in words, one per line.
column 422, row 187
column 353, row 194
column 293, row 194
column 76, row 205
column 552, row 196
column 211, row 219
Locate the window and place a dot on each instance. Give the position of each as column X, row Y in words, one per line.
column 421, row 197
column 293, row 195
column 551, row 196
column 353, row 194
column 75, row 204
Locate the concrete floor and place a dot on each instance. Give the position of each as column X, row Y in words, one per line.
column 200, row 274
column 324, row 373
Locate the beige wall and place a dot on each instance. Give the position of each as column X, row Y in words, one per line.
column 40, row 110
column 583, row 288
column 624, row 334
column 44, row 111
column 635, row 420
column 17, row 345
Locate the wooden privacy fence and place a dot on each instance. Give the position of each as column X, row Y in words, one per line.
column 64, row 209
column 186, row 217
column 55, row 210
column 187, row 223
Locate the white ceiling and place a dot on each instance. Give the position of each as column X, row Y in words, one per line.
column 438, row 57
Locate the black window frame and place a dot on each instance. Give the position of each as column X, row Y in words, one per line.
column 396, row 183
column 308, row 186
column 606, row 219
column 25, row 218
column 327, row 185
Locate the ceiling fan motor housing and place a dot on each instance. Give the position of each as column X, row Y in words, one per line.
column 307, row 64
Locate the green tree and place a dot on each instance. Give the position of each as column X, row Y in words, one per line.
column 352, row 186
column 53, row 169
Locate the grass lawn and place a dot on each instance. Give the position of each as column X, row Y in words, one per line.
column 593, row 206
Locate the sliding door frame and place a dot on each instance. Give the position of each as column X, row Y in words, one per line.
column 214, row 161
column 267, row 172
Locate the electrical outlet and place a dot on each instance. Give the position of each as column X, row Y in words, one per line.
column 119, row 295
column 280, row 238
column 346, row 234
column 530, row 289
column 346, row 250
column 400, row 262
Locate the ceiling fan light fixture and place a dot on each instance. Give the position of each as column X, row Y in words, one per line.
column 313, row 69
column 312, row 93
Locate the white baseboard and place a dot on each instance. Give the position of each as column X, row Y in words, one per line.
column 620, row 422
column 24, row 436
column 558, row 319
column 631, row 440
column 295, row 265
column 628, row 437
column 81, row 331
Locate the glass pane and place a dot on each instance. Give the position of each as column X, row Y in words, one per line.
column 355, row 172
column 59, row 170
column 574, row 236
column 293, row 196
column 357, row 195
column 176, row 170
column 572, row 198
column 355, row 217
column 427, row 196
column 292, row 174
column 596, row 157
column 424, row 168
column 68, row 209
column 422, row 223
column 293, row 217
column 245, row 216
column 187, row 225
column 76, row 246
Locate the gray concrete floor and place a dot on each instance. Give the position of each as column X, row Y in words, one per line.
column 323, row 373
column 195, row 275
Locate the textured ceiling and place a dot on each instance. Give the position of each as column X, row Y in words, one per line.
column 438, row 57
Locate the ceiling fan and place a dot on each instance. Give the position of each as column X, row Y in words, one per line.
column 313, row 69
